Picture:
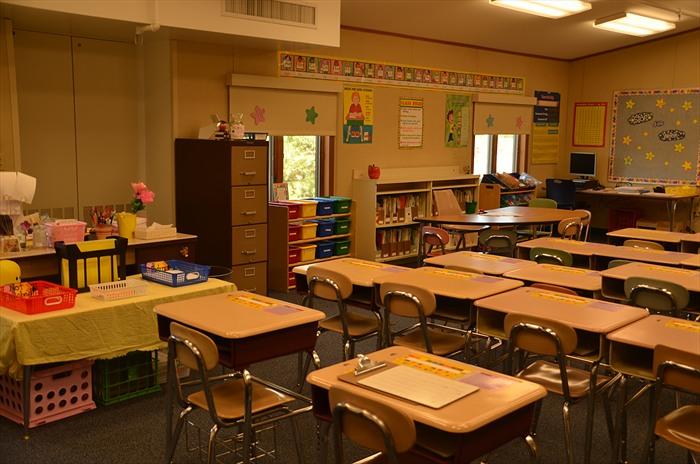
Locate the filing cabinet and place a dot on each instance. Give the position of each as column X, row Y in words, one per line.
column 221, row 196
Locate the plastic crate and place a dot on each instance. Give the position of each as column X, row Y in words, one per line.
column 292, row 208
column 294, row 232
column 341, row 205
column 325, row 227
column 110, row 291
column 307, row 208
column 46, row 297
column 65, row 231
column 191, row 273
column 324, row 206
column 324, row 249
column 294, row 254
column 132, row 375
column 56, row 393
column 341, row 226
column 308, row 252
column 342, row 247
column 308, row 230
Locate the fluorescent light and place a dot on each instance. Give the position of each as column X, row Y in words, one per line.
column 633, row 24
column 546, row 8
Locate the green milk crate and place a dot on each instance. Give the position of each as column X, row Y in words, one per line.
column 342, row 247
column 132, row 375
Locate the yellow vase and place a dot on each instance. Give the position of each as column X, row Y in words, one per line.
column 127, row 224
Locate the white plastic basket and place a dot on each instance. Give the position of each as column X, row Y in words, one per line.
column 110, row 291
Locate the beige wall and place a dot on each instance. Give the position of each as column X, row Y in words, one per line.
column 9, row 124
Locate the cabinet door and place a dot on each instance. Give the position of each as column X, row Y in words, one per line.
column 248, row 165
column 249, row 244
column 251, row 277
column 248, row 205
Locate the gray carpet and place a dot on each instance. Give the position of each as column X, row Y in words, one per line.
column 132, row 432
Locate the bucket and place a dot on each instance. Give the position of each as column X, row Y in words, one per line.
column 470, row 207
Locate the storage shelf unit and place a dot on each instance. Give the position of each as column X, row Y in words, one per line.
column 492, row 196
column 279, row 267
column 401, row 193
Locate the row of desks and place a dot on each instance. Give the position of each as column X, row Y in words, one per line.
column 673, row 241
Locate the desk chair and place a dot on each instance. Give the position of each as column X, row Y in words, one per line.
column 563, row 191
column 539, row 231
column 232, row 400
column 10, row 272
column 446, row 203
column 498, row 242
column 585, row 225
column 543, row 255
column 418, row 303
column 618, row 262
column 646, row 244
column 434, row 237
column 92, row 262
column 554, row 288
column 552, row 339
column 680, row 371
column 569, row 228
column 657, row 296
column 353, row 326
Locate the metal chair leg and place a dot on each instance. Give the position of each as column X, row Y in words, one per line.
column 174, row 438
column 590, row 414
column 296, row 438
column 211, row 446
column 535, row 418
column 346, row 350
column 620, row 419
column 567, row 433
column 532, row 449
column 323, row 430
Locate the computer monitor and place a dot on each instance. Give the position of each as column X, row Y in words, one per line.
column 582, row 164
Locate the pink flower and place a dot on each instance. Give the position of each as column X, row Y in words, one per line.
column 146, row 196
column 138, row 187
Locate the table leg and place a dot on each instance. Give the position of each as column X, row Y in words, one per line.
column 619, row 427
column 690, row 214
column 169, row 387
column 671, row 210
column 26, row 383
column 420, row 245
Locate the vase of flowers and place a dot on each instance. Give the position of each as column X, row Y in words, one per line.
column 127, row 220
column 102, row 222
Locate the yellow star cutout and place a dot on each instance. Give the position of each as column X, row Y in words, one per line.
column 666, row 163
column 630, row 104
column 650, row 155
column 645, row 133
column 660, row 103
column 695, row 121
column 678, row 122
column 628, row 160
column 671, row 110
column 639, row 147
column 687, row 166
column 687, row 105
column 679, row 147
column 626, row 139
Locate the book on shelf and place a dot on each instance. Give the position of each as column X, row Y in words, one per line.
column 396, row 242
column 397, row 209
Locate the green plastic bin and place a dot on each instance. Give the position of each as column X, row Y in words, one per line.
column 342, row 226
column 341, row 205
column 132, row 375
column 342, row 247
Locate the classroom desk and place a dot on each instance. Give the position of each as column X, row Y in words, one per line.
column 693, row 262
column 603, row 256
column 91, row 329
column 691, row 243
column 670, row 240
column 581, row 251
column 479, row 262
column 498, row 412
column 584, row 281
column 614, row 280
column 41, row 262
column 671, row 201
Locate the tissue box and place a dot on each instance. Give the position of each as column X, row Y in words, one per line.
column 145, row 233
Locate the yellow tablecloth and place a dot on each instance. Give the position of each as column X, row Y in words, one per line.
column 92, row 328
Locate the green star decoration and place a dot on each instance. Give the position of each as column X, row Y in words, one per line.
column 311, row 115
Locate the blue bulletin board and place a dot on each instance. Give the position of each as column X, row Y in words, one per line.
column 656, row 136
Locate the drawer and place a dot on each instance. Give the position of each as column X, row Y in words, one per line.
column 251, row 277
column 249, row 244
column 248, row 165
column 248, row 205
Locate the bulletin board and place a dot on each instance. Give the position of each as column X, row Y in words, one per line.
column 656, row 136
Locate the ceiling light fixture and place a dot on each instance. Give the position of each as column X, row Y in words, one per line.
column 546, row 8
column 633, row 24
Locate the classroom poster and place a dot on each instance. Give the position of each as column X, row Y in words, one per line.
column 410, row 122
column 589, row 124
column 358, row 115
column 545, row 128
column 457, row 120
column 656, row 136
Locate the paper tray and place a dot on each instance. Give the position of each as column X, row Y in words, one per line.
column 150, row 234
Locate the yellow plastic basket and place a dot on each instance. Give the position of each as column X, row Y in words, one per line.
column 308, row 230
column 308, row 252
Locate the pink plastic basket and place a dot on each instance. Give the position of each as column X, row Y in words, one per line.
column 68, row 231
column 56, row 393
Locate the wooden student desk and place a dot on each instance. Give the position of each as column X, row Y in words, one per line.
column 603, row 256
column 693, row 262
column 614, row 280
column 41, row 262
column 479, row 262
column 584, row 281
column 582, row 251
column 670, row 240
column 498, row 412
column 691, row 243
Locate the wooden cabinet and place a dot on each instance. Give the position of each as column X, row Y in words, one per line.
column 221, row 196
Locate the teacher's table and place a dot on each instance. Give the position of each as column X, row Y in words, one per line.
column 41, row 262
column 614, row 280
column 581, row 251
column 584, row 281
column 479, row 262
column 499, row 411
column 632, row 355
column 670, row 240
column 670, row 200
column 455, row 291
column 91, row 329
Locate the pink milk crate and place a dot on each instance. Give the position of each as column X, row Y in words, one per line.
column 55, row 393
column 66, row 231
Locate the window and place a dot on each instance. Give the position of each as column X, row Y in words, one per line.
column 496, row 153
column 299, row 160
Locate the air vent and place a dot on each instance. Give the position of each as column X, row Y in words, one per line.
column 272, row 10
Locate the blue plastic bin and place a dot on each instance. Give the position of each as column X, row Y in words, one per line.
column 324, row 249
column 325, row 227
column 324, row 206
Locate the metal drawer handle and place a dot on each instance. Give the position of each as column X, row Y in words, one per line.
column 248, row 173
column 249, row 194
column 250, row 233
column 249, row 252
column 249, row 272
column 249, row 154
column 249, row 213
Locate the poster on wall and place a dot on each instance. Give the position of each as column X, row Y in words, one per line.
column 656, row 136
column 358, row 115
column 545, row 128
column 410, row 122
column 589, row 124
column 457, row 120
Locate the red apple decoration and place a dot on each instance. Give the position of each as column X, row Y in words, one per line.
column 373, row 171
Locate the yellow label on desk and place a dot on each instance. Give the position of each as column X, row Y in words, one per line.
column 672, row 270
column 647, row 250
column 561, row 298
column 570, row 270
column 251, row 301
column 429, row 364
column 449, row 273
column 689, row 326
column 366, row 264
column 488, row 257
column 570, row 242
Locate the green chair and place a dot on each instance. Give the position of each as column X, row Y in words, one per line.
column 539, row 231
column 618, row 262
column 646, row 244
column 657, row 296
column 542, row 203
column 498, row 242
column 543, row 255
